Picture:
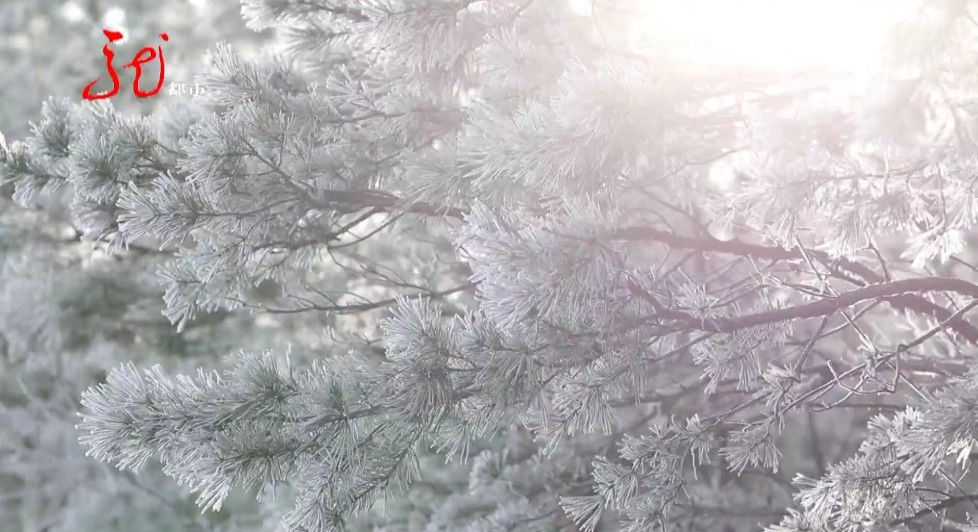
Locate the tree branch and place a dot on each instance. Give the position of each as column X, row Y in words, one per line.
column 825, row 306
column 901, row 301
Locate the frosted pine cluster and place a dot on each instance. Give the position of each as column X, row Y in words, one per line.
column 493, row 265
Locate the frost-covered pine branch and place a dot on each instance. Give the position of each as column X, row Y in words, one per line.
column 542, row 262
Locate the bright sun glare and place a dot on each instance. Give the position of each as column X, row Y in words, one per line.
column 767, row 34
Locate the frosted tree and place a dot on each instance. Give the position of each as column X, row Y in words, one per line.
column 72, row 308
column 570, row 279
column 68, row 310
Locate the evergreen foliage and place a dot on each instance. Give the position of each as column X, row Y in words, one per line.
column 555, row 278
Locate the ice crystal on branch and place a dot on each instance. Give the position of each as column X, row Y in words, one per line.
column 540, row 273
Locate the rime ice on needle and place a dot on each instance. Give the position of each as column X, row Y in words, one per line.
column 508, row 216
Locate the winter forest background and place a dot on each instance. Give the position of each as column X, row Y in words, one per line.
column 438, row 265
